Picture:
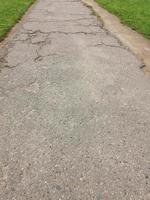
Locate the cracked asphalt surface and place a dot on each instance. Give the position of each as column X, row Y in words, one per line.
column 74, row 110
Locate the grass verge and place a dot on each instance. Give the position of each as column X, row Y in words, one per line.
column 10, row 13
column 134, row 13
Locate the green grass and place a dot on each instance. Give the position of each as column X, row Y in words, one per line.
column 10, row 12
column 134, row 13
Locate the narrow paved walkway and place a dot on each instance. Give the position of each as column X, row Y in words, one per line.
column 74, row 110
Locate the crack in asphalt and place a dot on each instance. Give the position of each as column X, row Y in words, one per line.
column 40, row 57
column 108, row 45
column 72, row 117
column 63, row 20
column 29, row 31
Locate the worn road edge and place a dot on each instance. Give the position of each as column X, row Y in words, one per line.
column 9, row 36
column 139, row 45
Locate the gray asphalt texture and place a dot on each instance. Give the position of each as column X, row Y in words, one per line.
column 74, row 110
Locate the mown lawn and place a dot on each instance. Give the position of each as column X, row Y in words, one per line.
column 134, row 13
column 10, row 12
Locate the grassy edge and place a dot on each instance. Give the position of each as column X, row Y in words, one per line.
column 8, row 30
column 121, row 19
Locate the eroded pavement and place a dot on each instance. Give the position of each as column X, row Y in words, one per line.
column 74, row 110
